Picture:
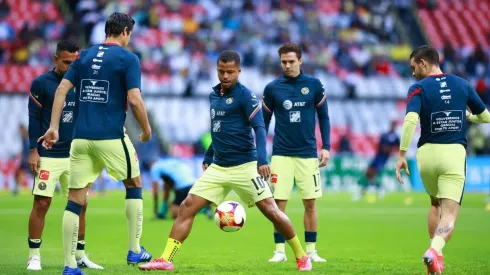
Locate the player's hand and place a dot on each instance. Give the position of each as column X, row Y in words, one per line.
column 205, row 166
column 34, row 160
column 49, row 138
column 144, row 137
column 401, row 164
column 324, row 157
column 468, row 114
column 264, row 171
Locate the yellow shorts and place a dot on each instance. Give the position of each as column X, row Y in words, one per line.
column 89, row 157
column 285, row 170
column 442, row 168
column 216, row 182
column 52, row 171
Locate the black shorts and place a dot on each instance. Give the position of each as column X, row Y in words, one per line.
column 180, row 195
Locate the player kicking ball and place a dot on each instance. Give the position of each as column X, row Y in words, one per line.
column 52, row 166
column 108, row 79
column 235, row 111
column 439, row 100
column 294, row 99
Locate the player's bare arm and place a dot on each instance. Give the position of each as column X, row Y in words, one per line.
column 34, row 160
column 139, row 111
column 52, row 136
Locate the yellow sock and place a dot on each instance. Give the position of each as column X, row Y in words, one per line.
column 70, row 237
column 310, row 247
column 171, row 249
column 281, row 247
column 297, row 248
column 438, row 244
column 134, row 214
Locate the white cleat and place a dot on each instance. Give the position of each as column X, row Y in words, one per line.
column 278, row 257
column 34, row 263
column 86, row 262
column 315, row 258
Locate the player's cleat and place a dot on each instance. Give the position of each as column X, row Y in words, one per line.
column 136, row 258
column 303, row 264
column 440, row 259
column 34, row 263
column 430, row 260
column 157, row 264
column 73, row 271
column 278, row 257
column 86, row 262
column 314, row 257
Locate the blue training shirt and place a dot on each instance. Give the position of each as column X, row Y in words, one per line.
column 294, row 101
column 41, row 98
column 233, row 115
column 178, row 171
column 103, row 75
column 440, row 101
column 386, row 144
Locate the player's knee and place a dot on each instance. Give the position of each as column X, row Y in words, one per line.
column 187, row 208
column 310, row 206
column 133, row 183
column 42, row 204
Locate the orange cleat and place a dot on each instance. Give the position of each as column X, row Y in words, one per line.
column 431, row 261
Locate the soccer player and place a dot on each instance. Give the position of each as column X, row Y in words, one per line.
column 440, row 101
column 52, row 166
column 231, row 164
column 176, row 175
column 294, row 98
column 107, row 77
column 387, row 144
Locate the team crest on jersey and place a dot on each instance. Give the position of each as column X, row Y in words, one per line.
column 41, row 185
column 229, row 100
column 44, row 175
column 305, row 90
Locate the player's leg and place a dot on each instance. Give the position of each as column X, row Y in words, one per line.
column 43, row 189
column 80, row 255
column 252, row 189
column 209, row 188
column 83, row 172
column 282, row 181
column 119, row 158
column 434, row 216
column 309, row 183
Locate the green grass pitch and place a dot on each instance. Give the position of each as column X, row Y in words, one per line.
column 388, row 237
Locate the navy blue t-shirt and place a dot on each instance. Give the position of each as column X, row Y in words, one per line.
column 386, row 144
column 103, row 75
column 440, row 101
column 233, row 115
column 294, row 101
column 41, row 97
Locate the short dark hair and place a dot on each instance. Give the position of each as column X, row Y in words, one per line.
column 116, row 23
column 290, row 47
column 427, row 53
column 229, row 56
column 66, row 45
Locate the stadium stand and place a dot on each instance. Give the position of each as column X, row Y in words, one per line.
column 357, row 48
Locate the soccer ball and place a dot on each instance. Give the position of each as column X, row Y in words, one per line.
column 230, row 216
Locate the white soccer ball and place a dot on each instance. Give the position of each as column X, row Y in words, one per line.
column 230, row 216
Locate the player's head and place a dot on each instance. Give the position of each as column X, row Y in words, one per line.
column 290, row 55
column 422, row 61
column 119, row 26
column 228, row 68
column 393, row 125
column 66, row 53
